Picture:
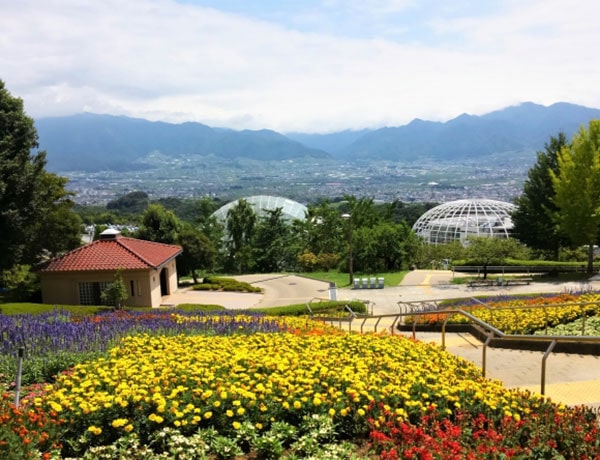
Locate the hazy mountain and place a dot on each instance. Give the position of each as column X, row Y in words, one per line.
column 91, row 142
column 334, row 143
column 524, row 127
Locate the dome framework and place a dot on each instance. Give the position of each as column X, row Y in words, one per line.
column 458, row 220
column 290, row 209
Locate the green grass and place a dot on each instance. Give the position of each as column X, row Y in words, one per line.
column 342, row 280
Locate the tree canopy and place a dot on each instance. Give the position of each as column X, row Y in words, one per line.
column 577, row 188
column 36, row 218
column 534, row 219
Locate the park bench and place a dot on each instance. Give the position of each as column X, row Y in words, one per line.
column 480, row 283
column 513, row 281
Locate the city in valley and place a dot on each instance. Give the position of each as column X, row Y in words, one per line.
column 308, row 180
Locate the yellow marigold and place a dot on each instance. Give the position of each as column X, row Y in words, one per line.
column 297, row 404
column 95, row 430
column 207, row 415
column 119, row 422
column 236, row 425
column 156, row 418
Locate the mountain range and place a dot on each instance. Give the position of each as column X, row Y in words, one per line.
column 92, row 142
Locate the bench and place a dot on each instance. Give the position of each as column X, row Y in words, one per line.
column 481, row 283
column 514, row 281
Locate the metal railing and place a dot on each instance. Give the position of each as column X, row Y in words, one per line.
column 490, row 331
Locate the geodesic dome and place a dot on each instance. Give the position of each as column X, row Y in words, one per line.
column 290, row 209
column 457, row 220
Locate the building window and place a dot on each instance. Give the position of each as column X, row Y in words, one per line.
column 132, row 288
column 90, row 293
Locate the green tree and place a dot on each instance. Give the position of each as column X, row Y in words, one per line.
column 159, row 225
column 116, row 292
column 26, row 204
column 199, row 253
column 577, row 189
column 384, row 247
column 322, row 231
column 488, row 251
column 241, row 220
column 274, row 250
column 58, row 228
column 22, row 284
column 534, row 219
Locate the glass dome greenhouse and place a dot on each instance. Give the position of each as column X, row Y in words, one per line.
column 458, row 220
column 290, row 209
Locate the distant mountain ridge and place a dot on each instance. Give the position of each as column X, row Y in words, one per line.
column 527, row 126
column 91, row 142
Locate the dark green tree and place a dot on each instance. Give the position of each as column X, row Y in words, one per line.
column 577, row 189
column 199, row 253
column 323, row 230
column 58, row 228
column 159, row 225
column 241, row 220
column 534, row 219
column 27, row 207
column 274, row 249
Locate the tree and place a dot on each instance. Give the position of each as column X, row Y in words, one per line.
column 577, row 189
column 241, row 220
column 198, row 251
column 58, row 228
column 487, row 251
column 534, row 219
column 31, row 198
column 273, row 248
column 159, row 225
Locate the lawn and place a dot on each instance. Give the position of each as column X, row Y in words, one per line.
column 342, row 279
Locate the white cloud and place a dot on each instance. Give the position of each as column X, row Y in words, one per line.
column 164, row 60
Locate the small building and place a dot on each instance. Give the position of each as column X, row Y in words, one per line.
column 79, row 277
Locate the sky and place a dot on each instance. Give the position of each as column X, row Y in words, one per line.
column 314, row 66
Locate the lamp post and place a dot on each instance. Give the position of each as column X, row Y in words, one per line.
column 348, row 217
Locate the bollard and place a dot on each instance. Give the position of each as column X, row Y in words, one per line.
column 20, row 354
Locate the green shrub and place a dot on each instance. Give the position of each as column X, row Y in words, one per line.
column 225, row 284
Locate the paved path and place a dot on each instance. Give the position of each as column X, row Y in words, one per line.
column 570, row 379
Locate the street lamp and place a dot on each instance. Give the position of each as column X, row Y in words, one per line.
column 348, row 217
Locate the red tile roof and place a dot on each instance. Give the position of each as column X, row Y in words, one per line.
column 113, row 254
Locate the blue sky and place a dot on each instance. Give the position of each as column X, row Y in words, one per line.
column 312, row 66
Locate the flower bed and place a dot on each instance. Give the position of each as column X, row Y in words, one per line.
column 292, row 391
column 523, row 315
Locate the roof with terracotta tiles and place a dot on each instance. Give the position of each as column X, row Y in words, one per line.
column 116, row 253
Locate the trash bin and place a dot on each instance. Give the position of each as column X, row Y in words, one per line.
column 332, row 291
column 365, row 283
column 356, row 283
column 380, row 283
column 373, row 283
column 499, row 281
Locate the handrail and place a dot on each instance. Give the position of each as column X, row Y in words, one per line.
column 492, row 333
